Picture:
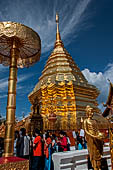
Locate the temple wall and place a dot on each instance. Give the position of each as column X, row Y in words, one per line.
column 59, row 99
column 67, row 101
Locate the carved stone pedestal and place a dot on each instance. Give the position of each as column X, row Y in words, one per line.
column 14, row 163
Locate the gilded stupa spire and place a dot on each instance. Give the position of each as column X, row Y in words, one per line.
column 58, row 41
column 63, row 86
column 58, row 38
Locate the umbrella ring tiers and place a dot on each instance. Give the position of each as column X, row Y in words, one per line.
column 27, row 41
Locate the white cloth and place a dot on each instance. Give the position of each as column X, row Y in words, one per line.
column 82, row 132
column 68, row 140
column 74, row 134
column 53, row 141
column 15, row 146
column 26, row 145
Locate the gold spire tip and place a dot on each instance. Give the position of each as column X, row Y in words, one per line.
column 57, row 18
column 58, row 38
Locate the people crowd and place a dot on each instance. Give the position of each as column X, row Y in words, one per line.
column 39, row 147
column 80, row 141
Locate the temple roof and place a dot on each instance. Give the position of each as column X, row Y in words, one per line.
column 61, row 67
column 108, row 102
column 110, row 94
column 103, row 122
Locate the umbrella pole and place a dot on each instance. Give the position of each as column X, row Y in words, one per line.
column 11, row 101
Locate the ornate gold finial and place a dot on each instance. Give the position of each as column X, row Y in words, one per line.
column 57, row 18
column 57, row 34
column 58, row 38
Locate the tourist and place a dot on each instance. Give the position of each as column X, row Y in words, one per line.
column 24, row 144
column 54, row 143
column 78, row 135
column 16, row 144
column 68, row 143
column 37, row 151
column 76, row 146
column 62, row 143
column 47, row 151
column 78, row 140
column 32, row 138
column 84, row 143
column 74, row 133
column 80, row 147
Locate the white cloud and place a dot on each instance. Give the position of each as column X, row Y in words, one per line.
column 24, row 77
column 2, row 68
column 109, row 72
column 3, row 96
column 100, row 80
column 40, row 15
column 3, row 83
column 71, row 22
column 21, row 78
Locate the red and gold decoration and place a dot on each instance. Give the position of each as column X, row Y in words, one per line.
column 13, row 163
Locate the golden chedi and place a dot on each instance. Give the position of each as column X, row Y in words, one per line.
column 63, row 86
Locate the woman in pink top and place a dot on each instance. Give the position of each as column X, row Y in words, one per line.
column 63, row 142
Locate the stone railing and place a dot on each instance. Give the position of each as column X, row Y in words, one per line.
column 75, row 160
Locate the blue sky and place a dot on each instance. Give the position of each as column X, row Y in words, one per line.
column 86, row 28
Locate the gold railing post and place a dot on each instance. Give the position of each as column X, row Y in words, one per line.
column 111, row 142
column 11, row 102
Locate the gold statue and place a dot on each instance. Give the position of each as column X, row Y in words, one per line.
column 94, row 139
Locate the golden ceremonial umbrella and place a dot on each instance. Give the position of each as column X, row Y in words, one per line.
column 20, row 47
